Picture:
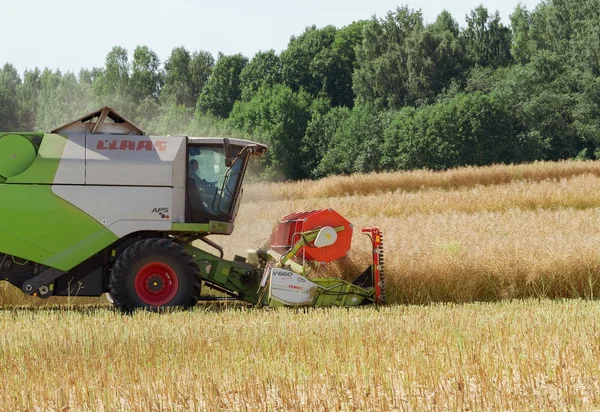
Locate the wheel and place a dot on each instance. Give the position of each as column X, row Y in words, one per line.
column 152, row 274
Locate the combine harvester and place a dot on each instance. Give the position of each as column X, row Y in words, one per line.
column 95, row 206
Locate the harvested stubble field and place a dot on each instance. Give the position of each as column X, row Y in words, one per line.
column 519, row 355
column 485, row 235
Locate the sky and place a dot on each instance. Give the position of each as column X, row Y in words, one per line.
column 74, row 34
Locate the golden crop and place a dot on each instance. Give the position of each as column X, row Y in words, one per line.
column 365, row 184
column 505, row 356
column 468, row 234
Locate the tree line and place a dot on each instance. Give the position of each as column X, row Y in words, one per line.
column 385, row 93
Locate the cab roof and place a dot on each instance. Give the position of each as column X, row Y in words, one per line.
column 258, row 147
column 104, row 120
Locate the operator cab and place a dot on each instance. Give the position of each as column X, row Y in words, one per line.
column 215, row 171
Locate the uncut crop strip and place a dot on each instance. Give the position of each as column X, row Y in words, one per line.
column 484, row 243
column 525, row 238
column 479, row 256
column 387, row 182
column 507, row 356
column 579, row 192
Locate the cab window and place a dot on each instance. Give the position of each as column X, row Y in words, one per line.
column 212, row 186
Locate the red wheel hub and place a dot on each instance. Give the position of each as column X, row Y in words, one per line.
column 156, row 283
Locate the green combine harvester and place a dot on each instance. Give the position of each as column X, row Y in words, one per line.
column 97, row 207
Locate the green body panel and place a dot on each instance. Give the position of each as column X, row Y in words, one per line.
column 220, row 227
column 43, row 170
column 234, row 276
column 33, row 137
column 341, row 293
column 191, row 227
column 37, row 225
column 214, row 227
column 17, row 153
column 41, row 227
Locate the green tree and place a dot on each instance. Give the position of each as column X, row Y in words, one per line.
column 320, row 137
column 201, row 66
column 542, row 96
column 177, row 83
column 401, row 62
column 277, row 116
column 263, row 69
column 381, row 77
column 337, row 63
column 318, row 133
column 297, row 59
column 172, row 119
column 357, row 144
column 223, row 87
column 586, row 114
column 488, row 42
column 112, row 86
column 435, row 57
column 469, row 129
column 61, row 98
column 88, row 77
column 569, row 28
column 9, row 108
column 185, row 76
column 28, row 97
column 322, row 61
column 146, row 76
column 520, row 24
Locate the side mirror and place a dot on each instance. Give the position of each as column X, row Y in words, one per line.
column 227, row 150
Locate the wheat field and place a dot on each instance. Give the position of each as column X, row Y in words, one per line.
column 468, row 234
column 521, row 355
column 492, row 278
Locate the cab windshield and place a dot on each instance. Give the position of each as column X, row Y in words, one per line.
column 212, row 186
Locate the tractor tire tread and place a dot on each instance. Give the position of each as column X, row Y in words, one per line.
column 120, row 271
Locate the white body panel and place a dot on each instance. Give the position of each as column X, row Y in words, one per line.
column 71, row 169
column 135, row 160
column 122, row 210
column 178, row 202
column 120, row 180
column 292, row 289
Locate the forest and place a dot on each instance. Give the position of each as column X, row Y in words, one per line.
column 381, row 94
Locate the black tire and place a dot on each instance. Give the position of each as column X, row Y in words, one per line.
column 154, row 274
